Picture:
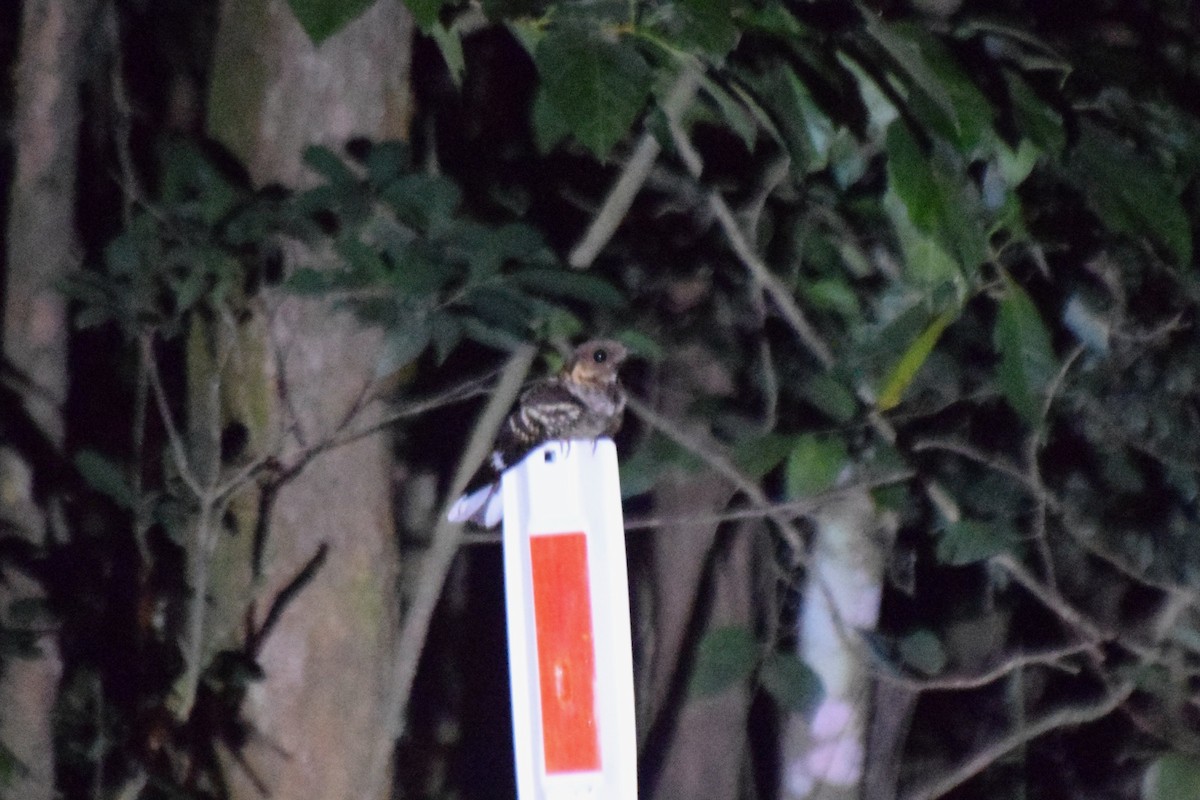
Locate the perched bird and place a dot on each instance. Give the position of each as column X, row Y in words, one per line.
column 583, row 401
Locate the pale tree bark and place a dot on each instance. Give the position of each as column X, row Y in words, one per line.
column 41, row 249
column 294, row 374
column 696, row 744
column 705, row 758
column 825, row 756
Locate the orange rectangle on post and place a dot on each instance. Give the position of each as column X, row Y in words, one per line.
column 565, row 652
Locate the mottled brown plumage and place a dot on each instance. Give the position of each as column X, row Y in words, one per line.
column 584, row 400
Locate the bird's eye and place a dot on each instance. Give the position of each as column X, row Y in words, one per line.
column 600, row 356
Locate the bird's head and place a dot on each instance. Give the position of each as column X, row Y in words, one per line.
column 596, row 361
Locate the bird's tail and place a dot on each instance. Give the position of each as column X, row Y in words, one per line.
column 484, row 507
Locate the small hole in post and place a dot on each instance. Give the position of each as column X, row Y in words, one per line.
column 550, row 455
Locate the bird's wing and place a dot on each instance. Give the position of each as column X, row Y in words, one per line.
column 484, row 507
column 547, row 410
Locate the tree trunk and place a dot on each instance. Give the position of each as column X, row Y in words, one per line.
column 299, row 369
column 41, row 249
column 697, row 737
column 705, row 754
column 825, row 756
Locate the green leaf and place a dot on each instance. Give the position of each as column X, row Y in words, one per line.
column 560, row 283
column 641, row 471
column 323, row 18
column 933, row 190
column 362, row 260
column 902, row 43
column 813, row 465
column 772, row 19
column 420, row 270
column 105, row 476
column 191, row 180
column 641, row 344
column 798, row 122
column 500, row 307
column 832, row 294
column 910, row 177
column 425, row 201
column 759, row 455
column 1174, row 776
column 725, row 657
column 307, row 280
column 971, row 540
column 1041, row 123
column 387, row 161
column 928, row 264
column 123, row 255
column 512, row 242
column 830, row 396
column 550, row 126
column 1129, row 193
column 450, row 45
column 31, row 612
column 708, row 24
column 329, row 165
column 92, row 316
column 404, row 344
column 911, row 362
column 792, row 682
column 731, row 111
column 1027, row 362
column 425, row 12
column 974, row 116
column 11, row 767
column 923, row 651
column 597, row 86
column 445, row 333
column 527, row 33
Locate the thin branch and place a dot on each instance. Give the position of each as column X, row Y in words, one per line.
column 174, row 438
column 947, row 683
column 770, row 386
column 972, row 453
column 1037, row 485
column 795, row 508
column 1069, row 717
column 759, row 271
column 1052, row 600
column 132, row 194
column 637, row 168
column 444, row 545
column 770, row 282
column 284, row 598
column 723, row 467
column 467, row 390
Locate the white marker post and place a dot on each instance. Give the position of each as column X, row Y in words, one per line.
column 569, row 650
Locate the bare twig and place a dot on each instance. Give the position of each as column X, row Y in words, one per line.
column 759, row 271
column 174, row 438
column 461, row 392
column 1049, row 658
column 466, row 390
column 1052, row 600
column 284, row 598
column 122, row 119
column 645, row 152
column 1068, row 717
column 796, row 508
column 775, row 289
column 973, row 453
column 1033, row 449
column 723, row 467
column 445, row 542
